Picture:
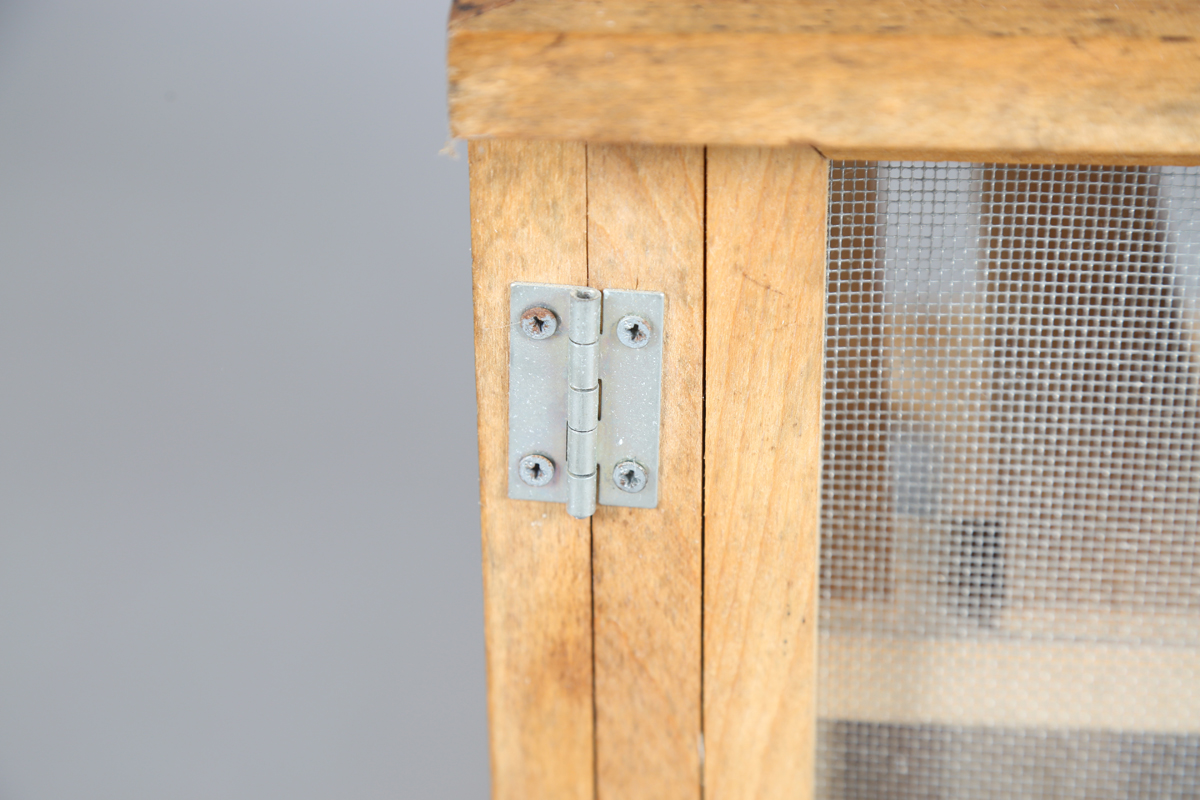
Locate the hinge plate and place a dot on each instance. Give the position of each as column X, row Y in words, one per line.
column 630, row 393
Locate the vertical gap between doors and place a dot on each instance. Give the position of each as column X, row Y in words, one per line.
column 587, row 152
column 703, row 433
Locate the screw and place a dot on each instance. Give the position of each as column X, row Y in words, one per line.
column 539, row 323
column 629, row 476
column 536, row 470
column 633, row 331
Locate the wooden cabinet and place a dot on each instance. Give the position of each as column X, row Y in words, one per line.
column 685, row 148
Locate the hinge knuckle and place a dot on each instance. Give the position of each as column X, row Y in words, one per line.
column 585, row 312
column 583, row 379
column 583, row 408
column 581, row 495
column 583, row 371
column 581, row 452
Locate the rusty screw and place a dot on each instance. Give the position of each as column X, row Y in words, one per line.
column 633, row 331
column 539, row 323
column 536, row 470
column 629, row 476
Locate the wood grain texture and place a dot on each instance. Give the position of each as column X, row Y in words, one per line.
column 646, row 231
column 528, row 222
column 1080, row 19
column 765, row 337
column 1033, row 76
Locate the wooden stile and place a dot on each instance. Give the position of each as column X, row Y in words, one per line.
column 765, row 336
column 528, row 211
column 646, row 231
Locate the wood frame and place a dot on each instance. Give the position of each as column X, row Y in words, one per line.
column 1032, row 77
column 629, row 639
column 766, row 318
column 646, row 229
column 528, row 210
column 666, row 654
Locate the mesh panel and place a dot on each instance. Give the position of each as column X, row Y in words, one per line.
column 1010, row 600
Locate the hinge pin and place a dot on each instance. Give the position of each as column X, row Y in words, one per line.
column 583, row 393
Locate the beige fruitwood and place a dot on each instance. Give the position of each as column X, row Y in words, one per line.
column 528, row 223
column 646, row 231
column 1081, row 19
column 765, row 339
column 1030, row 76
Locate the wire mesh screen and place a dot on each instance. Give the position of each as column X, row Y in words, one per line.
column 1010, row 592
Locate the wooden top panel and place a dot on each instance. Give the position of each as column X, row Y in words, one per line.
column 893, row 18
column 1033, row 76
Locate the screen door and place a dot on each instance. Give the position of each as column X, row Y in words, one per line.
column 1010, row 595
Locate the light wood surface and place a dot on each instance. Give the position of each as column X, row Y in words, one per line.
column 765, row 336
column 528, row 212
column 646, row 231
column 1032, row 76
column 1013, row 683
column 1081, row 19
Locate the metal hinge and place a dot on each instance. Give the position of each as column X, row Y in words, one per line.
column 584, row 394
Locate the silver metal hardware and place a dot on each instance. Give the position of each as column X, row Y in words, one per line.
column 629, row 476
column 536, row 470
column 539, row 323
column 589, row 400
column 583, row 408
column 633, row 331
column 631, row 388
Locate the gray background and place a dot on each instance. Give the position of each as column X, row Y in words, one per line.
column 239, row 543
